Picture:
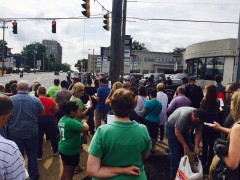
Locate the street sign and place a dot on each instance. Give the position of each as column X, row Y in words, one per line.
column 38, row 62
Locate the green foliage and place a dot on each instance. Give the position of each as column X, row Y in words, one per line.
column 82, row 65
column 35, row 48
column 138, row 46
column 178, row 50
column 62, row 67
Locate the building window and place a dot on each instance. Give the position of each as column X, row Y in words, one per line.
column 205, row 68
column 209, row 69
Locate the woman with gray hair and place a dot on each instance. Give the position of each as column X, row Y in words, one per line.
column 162, row 97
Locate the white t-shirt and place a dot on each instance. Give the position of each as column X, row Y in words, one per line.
column 11, row 161
column 162, row 97
column 140, row 104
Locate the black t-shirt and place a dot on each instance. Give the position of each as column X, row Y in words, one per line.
column 195, row 94
column 91, row 91
column 134, row 88
column 169, row 91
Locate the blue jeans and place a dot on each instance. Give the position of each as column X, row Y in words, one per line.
column 31, row 147
column 176, row 149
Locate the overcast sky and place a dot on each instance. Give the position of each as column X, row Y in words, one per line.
column 78, row 36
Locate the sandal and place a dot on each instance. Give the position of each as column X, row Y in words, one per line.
column 78, row 169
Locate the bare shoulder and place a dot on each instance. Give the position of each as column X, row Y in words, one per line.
column 236, row 129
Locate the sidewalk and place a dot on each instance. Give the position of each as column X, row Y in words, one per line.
column 50, row 168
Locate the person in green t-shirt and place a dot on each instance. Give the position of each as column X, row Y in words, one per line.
column 118, row 148
column 70, row 139
column 52, row 91
column 77, row 93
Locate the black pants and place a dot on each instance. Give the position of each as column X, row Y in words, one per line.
column 90, row 121
column 161, row 132
column 47, row 124
column 207, row 149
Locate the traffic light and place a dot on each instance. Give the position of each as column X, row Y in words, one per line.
column 86, row 6
column 106, row 21
column 14, row 27
column 54, row 24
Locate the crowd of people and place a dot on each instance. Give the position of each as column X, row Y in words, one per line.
column 66, row 113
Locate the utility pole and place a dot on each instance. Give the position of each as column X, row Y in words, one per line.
column 123, row 39
column 43, row 61
column 115, row 57
column 3, row 46
column 93, row 64
column 34, row 63
column 236, row 72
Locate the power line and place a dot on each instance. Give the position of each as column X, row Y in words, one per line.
column 186, row 28
column 185, row 3
column 183, row 20
column 102, row 6
column 135, row 18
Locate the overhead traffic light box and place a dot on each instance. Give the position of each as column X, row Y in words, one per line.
column 86, row 6
column 106, row 22
column 14, row 27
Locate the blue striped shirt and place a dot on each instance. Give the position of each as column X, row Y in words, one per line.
column 11, row 161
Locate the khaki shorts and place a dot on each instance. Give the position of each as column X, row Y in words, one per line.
column 99, row 116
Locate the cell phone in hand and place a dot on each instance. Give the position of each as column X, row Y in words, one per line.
column 208, row 124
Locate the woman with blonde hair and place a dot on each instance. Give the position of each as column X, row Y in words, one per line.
column 232, row 160
column 77, row 93
column 115, row 86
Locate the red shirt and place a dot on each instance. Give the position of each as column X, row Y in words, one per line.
column 48, row 104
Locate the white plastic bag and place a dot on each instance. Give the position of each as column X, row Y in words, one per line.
column 185, row 172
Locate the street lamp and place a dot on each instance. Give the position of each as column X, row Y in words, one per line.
column 34, row 53
column 93, row 60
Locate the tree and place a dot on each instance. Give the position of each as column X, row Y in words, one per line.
column 178, row 50
column 35, row 48
column 5, row 48
column 138, row 46
column 62, row 67
column 82, row 65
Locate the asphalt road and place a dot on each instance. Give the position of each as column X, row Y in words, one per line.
column 46, row 78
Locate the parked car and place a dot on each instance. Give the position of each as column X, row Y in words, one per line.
column 126, row 77
column 138, row 76
column 56, row 73
column 157, row 78
column 177, row 78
